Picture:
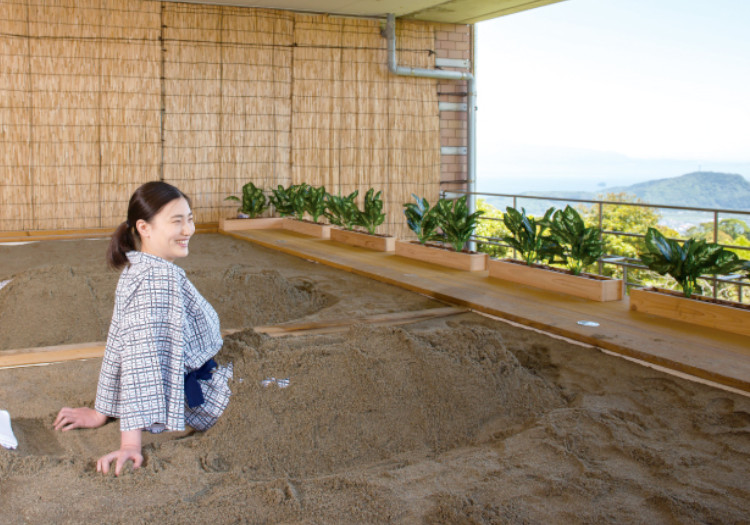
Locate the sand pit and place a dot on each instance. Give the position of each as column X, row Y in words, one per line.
column 456, row 420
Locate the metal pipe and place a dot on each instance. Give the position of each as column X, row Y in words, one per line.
column 393, row 67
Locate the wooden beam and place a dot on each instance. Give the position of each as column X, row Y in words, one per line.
column 50, row 354
column 87, row 233
column 329, row 327
column 59, row 353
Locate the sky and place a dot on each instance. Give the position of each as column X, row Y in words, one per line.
column 585, row 94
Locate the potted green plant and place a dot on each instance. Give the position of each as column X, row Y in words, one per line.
column 528, row 235
column 560, row 236
column 457, row 225
column 342, row 211
column 368, row 218
column 372, row 215
column 291, row 203
column 686, row 262
column 420, row 220
column 315, row 202
column 455, row 221
column 297, row 194
column 252, row 205
column 577, row 245
column 281, row 199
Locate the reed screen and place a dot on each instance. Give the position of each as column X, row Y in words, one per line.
column 99, row 96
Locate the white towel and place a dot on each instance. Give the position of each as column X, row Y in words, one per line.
column 7, row 439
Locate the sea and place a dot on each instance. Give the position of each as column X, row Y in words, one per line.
column 679, row 220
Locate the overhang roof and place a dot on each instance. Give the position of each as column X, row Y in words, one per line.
column 447, row 11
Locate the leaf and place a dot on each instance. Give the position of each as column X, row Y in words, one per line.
column 688, row 262
column 527, row 235
column 371, row 217
column 315, row 202
column 421, row 219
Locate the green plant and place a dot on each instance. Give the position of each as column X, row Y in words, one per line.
column 686, row 262
column 253, row 201
column 342, row 211
column 527, row 235
column 372, row 216
column 282, row 201
column 420, row 220
column 315, row 202
column 298, row 199
column 454, row 219
column 578, row 245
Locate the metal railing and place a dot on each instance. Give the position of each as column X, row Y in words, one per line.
column 626, row 264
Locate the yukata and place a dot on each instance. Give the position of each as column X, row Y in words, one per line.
column 161, row 330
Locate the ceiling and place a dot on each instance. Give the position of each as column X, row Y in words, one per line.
column 448, row 11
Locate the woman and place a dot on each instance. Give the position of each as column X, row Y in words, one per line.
column 158, row 373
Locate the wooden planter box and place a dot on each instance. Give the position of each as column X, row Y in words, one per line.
column 322, row 231
column 263, row 223
column 470, row 262
column 364, row 240
column 592, row 287
column 720, row 315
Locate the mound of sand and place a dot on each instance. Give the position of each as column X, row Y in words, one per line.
column 367, row 396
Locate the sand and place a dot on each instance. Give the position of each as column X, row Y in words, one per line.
column 461, row 420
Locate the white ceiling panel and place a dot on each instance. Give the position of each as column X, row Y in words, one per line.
column 451, row 11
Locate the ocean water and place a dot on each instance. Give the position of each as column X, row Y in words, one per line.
column 679, row 220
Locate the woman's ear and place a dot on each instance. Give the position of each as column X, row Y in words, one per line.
column 143, row 228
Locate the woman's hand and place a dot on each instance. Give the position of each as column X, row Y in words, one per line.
column 120, row 457
column 130, row 449
column 70, row 418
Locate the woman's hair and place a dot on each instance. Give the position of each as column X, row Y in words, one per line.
column 145, row 202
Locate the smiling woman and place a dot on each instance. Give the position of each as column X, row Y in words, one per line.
column 168, row 234
column 158, row 371
column 159, row 223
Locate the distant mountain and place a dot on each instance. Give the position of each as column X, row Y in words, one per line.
column 705, row 189
column 701, row 189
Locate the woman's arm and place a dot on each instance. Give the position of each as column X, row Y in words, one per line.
column 130, row 449
column 70, row 418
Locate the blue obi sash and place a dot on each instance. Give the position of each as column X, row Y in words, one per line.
column 193, row 390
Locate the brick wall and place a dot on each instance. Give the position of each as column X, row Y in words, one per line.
column 453, row 42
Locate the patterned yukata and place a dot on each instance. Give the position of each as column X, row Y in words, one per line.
column 161, row 329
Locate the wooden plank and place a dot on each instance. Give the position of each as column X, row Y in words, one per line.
column 470, row 262
column 593, row 289
column 321, row 231
column 59, row 353
column 50, row 354
column 327, row 327
column 263, row 223
column 90, row 233
column 364, row 240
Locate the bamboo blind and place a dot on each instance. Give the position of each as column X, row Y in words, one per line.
column 99, row 96
column 356, row 126
column 227, row 83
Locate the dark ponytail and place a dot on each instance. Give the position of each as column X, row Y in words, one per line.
column 145, row 202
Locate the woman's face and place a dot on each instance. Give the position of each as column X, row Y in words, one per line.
column 169, row 231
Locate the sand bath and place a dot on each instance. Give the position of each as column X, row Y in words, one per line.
column 455, row 420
